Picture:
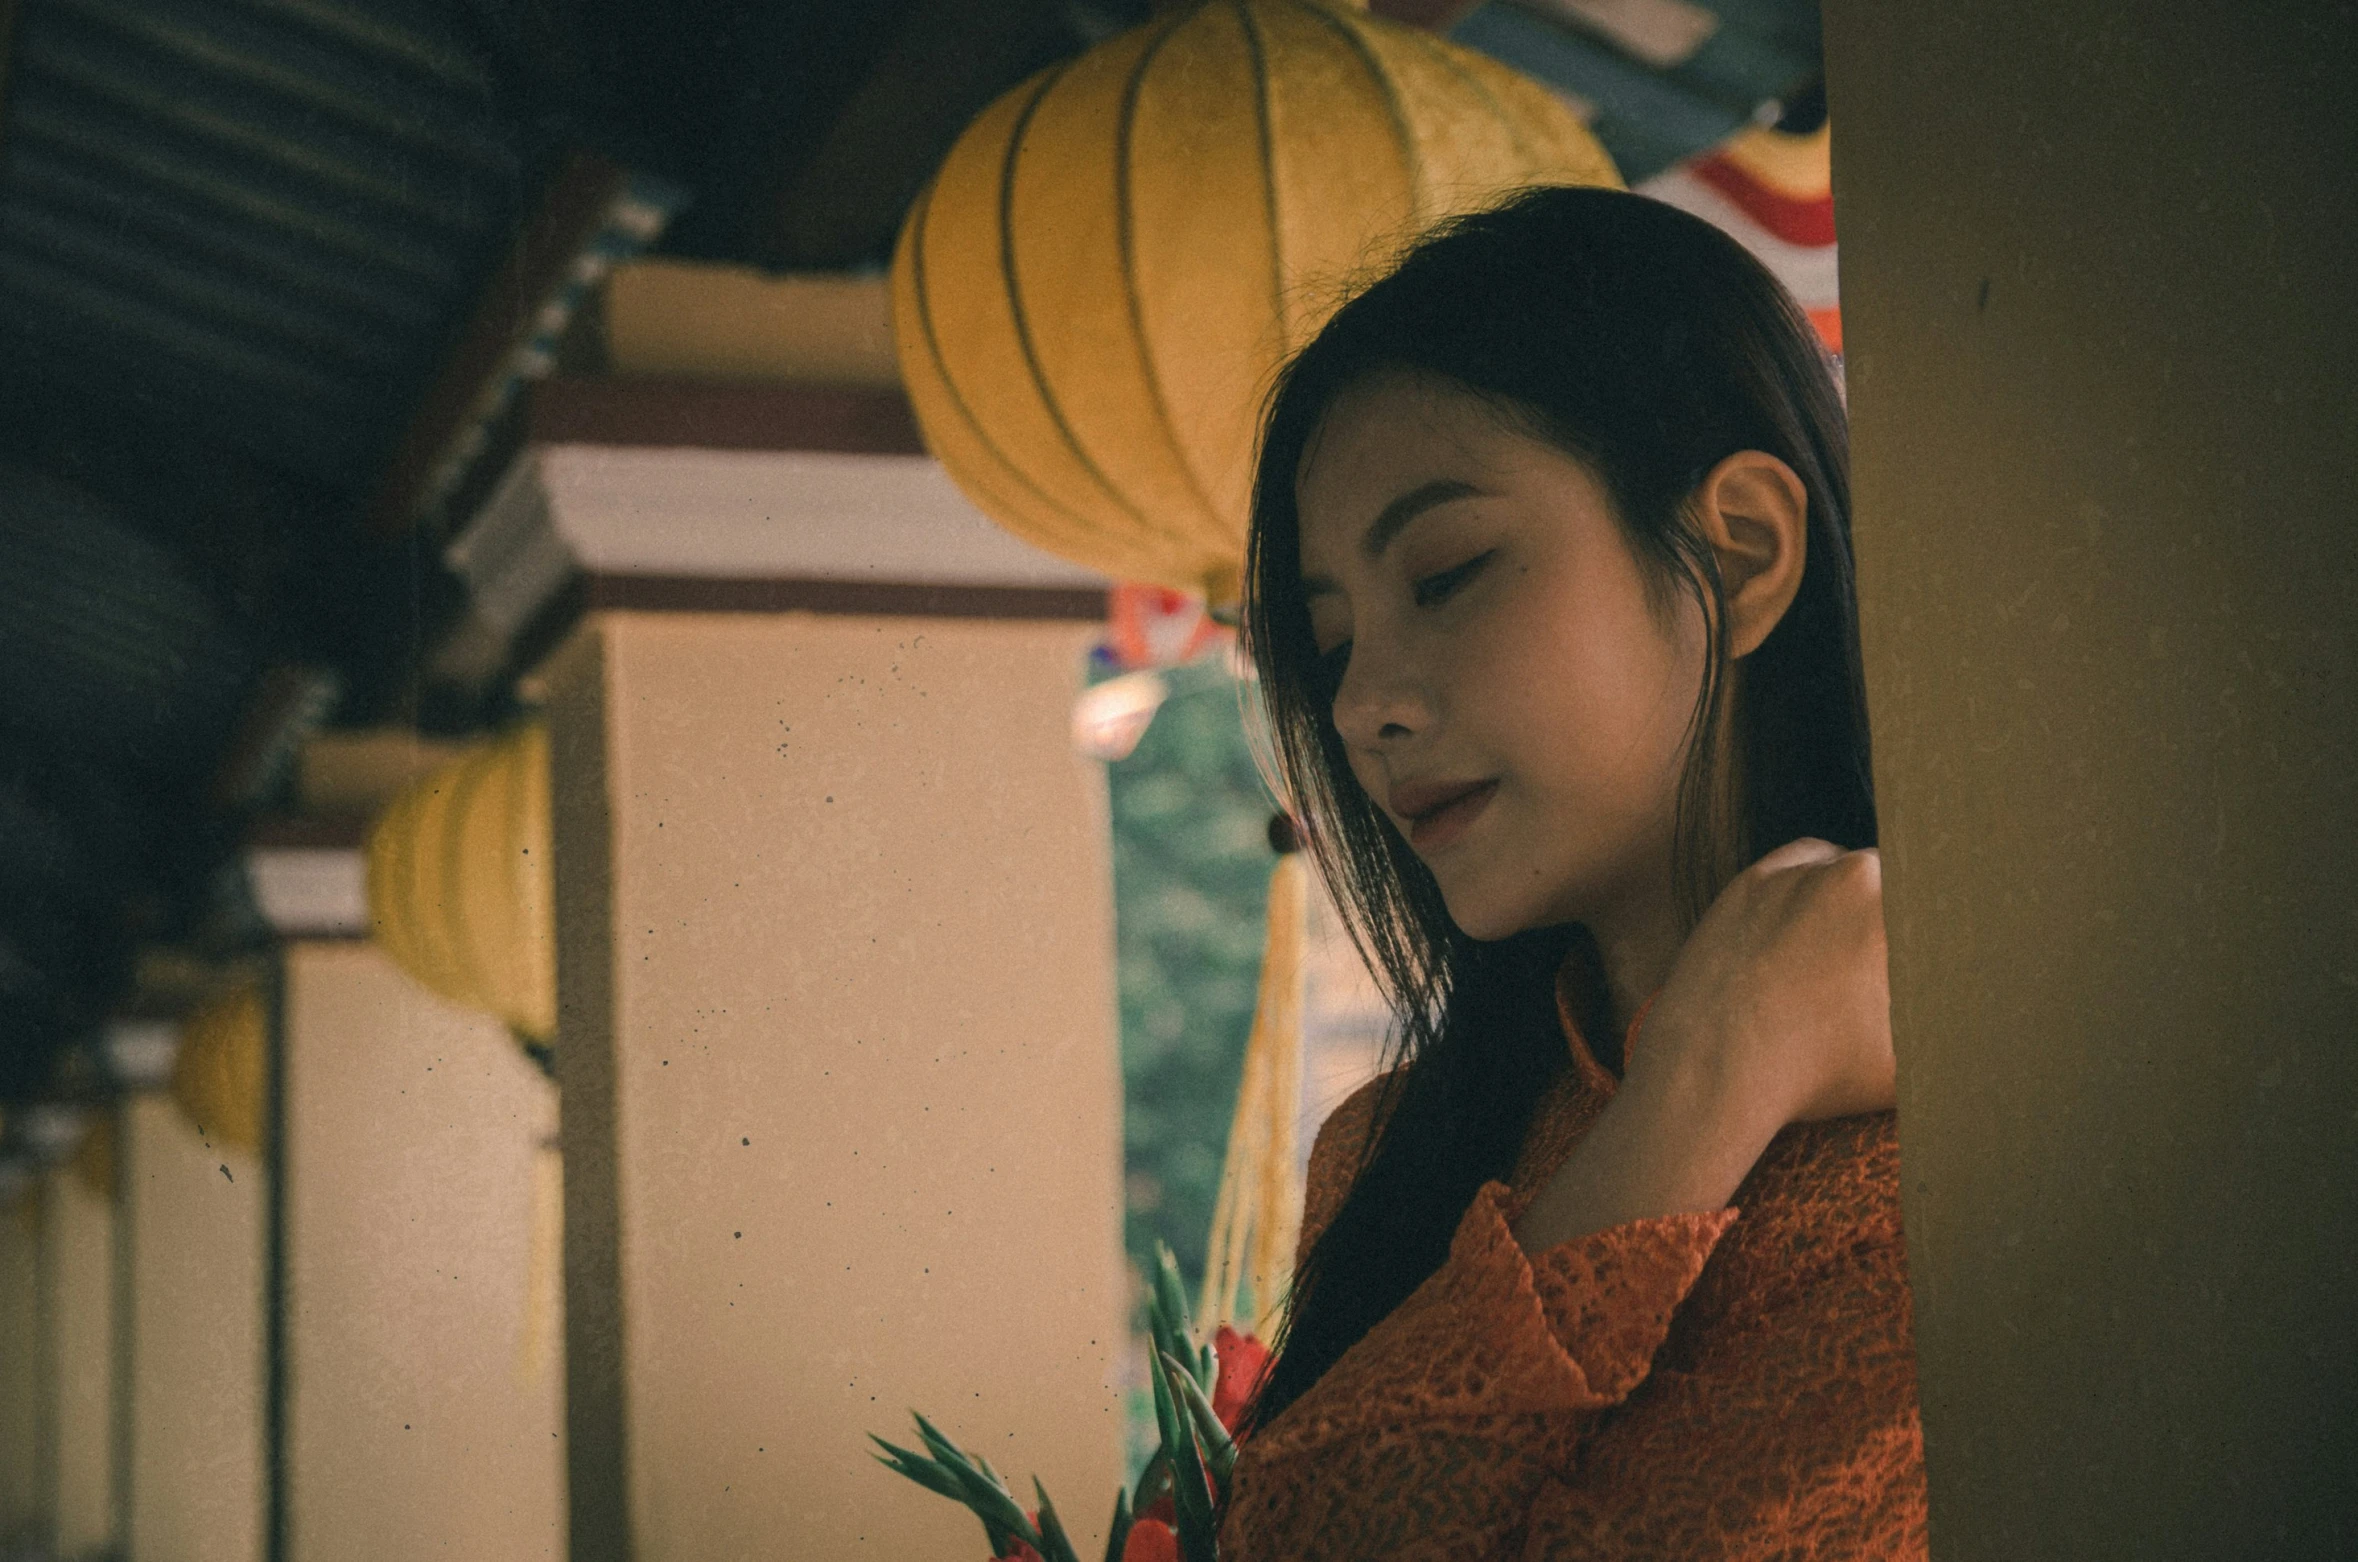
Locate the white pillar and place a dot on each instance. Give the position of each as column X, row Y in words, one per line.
column 24, row 1506
column 78, row 1304
column 195, row 1211
column 837, row 1036
column 419, row 1419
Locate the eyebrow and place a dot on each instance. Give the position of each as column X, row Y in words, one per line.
column 1393, row 519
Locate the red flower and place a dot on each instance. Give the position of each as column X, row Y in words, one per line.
column 1244, row 1361
column 1151, row 1540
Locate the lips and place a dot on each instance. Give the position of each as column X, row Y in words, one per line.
column 1439, row 811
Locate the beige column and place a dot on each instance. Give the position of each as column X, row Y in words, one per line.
column 2096, row 266
column 78, row 1323
column 195, row 1211
column 24, row 1507
column 842, row 1120
column 421, row 1417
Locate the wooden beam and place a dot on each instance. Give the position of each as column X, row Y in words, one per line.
column 879, row 599
column 692, row 414
column 571, row 212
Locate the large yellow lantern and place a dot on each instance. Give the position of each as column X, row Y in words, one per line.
column 460, row 889
column 1090, row 300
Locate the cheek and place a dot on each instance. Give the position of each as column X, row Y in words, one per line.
column 1612, row 692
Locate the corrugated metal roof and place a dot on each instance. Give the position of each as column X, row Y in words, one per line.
column 272, row 209
column 236, row 239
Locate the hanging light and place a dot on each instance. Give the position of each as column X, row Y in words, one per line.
column 218, row 1075
column 460, row 889
column 1091, row 298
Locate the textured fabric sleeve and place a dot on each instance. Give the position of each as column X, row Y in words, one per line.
column 1781, row 1420
column 1432, row 1436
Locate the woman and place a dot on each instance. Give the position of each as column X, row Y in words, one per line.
column 1550, row 593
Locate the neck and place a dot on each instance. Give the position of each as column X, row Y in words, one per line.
column 1639, row 939
column 1637, row 943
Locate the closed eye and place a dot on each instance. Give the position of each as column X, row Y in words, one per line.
column 1432, row 590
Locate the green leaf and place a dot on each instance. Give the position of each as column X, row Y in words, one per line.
column 1055, row 1544
column 945, row 1479
column 985, row 1493
column 1219, row 1448
column 918, row 1468
column 993, row 1476
column 1117, row 1533
column 1166, row 1419
column 1154, row 1479
column 1170, row 1301
column 1188, row 1495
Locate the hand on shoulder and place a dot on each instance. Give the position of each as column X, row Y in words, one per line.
column 1781, row 997
column 1777, row 1011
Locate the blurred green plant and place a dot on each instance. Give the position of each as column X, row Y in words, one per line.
column 1191, row 865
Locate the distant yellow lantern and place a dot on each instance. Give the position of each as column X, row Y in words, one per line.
column 220, row 1072
column 460, row 888
column 1090, row 300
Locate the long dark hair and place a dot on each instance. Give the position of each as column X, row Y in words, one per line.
column 1648, row 345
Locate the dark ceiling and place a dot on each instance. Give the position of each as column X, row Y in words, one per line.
column 244, row 242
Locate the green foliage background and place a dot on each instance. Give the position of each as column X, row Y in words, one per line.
column 1191, row 865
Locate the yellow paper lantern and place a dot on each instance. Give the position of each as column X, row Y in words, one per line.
column 1091, row 298
column 220, row 1071
column 460, row 889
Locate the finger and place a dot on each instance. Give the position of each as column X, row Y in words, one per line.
column 1798, row 854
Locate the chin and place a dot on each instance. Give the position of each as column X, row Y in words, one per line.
column 1486, row 911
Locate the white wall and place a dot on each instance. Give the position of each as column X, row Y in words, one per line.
column 195, row 1211
column 415, row 1425
column 843, row 1098
column 78, row 1278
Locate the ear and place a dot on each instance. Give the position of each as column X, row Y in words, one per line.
column 1754, row 512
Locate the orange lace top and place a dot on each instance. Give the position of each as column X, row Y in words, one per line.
column 1737, row 1384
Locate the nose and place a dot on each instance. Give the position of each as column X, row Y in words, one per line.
column 1380, row 702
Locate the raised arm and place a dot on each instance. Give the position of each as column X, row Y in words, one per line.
column 1777, row 1011
column 1434, row 1434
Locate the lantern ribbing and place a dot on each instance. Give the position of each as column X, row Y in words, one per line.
column 1094, row 293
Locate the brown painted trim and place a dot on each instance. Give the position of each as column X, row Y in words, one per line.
column 286, row 702
column 569, row 215
column 881, row 599
column 709, row 416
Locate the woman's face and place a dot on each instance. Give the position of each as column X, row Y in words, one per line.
column 1508, row 696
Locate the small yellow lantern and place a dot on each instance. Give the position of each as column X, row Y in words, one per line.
column 1090, row 300
column 460, row 889
column 220, row 1072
